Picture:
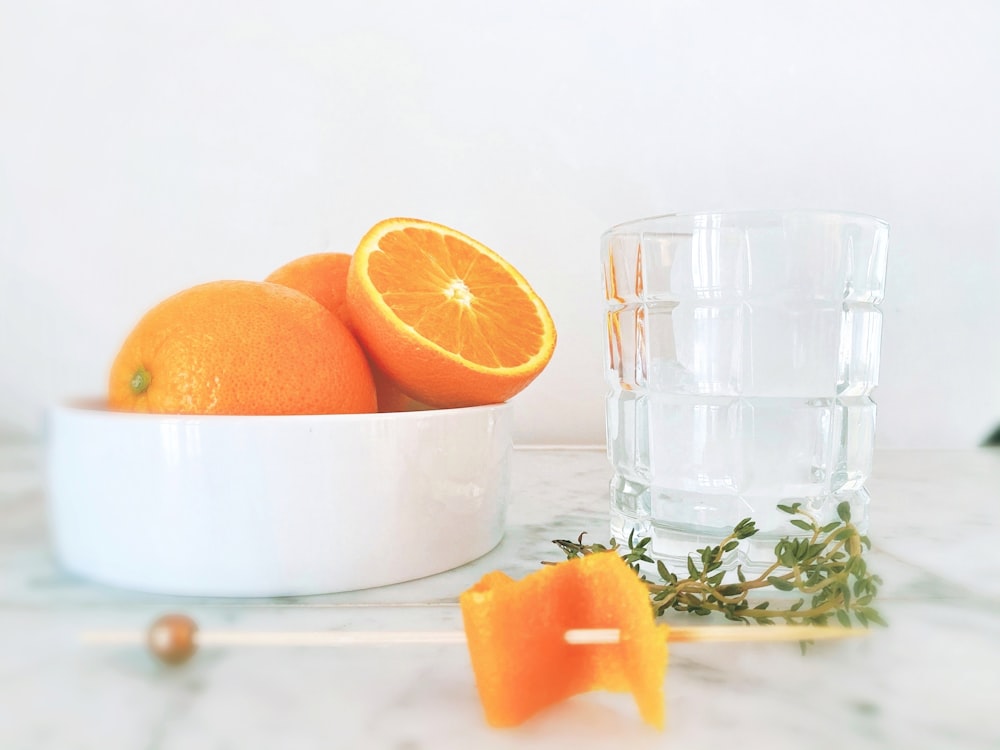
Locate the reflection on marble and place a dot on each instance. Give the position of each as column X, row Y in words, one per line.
column 931, row 680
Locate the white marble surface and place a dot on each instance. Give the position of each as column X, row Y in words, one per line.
column 931, row 680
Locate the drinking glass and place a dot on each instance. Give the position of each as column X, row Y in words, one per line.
column 742, row 353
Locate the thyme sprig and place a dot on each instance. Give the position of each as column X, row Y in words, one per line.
column 825, row 568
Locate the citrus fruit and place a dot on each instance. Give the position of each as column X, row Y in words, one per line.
column 448, row 319
column 323, row 276
column 241, row 347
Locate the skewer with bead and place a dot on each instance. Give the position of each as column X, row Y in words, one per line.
column 173, row 639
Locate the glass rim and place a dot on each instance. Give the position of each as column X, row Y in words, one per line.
column 747, row 215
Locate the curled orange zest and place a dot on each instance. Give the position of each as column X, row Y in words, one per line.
column 522, row 663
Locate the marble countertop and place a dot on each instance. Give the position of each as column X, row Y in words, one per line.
column 929, row 680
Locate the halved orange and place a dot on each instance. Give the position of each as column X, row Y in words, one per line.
column 448, row 319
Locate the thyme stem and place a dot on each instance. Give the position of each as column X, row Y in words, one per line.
column 825, row 568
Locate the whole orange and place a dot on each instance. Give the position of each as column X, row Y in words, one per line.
column 241, row 347
column 323, row 276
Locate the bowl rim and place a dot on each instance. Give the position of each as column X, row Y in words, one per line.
column 97, row 407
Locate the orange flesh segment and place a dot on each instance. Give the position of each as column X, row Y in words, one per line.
column 516, row 637
column 453, row 295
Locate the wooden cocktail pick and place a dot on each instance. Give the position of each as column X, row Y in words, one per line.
column 174, row 638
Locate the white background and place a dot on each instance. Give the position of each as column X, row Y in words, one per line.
column 146, row 147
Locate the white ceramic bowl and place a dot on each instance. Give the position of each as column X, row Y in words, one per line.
column 274, row 506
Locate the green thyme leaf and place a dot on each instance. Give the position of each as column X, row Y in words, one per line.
column 826, row 567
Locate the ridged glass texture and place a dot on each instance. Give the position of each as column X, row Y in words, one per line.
column 742, row 352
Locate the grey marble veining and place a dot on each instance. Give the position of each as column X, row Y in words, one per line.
column 931, row 680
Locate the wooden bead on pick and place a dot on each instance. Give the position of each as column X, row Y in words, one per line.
column 171, row 639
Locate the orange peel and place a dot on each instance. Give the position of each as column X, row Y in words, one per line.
column 516, row 638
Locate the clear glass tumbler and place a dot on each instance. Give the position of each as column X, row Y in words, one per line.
column 742, row 352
